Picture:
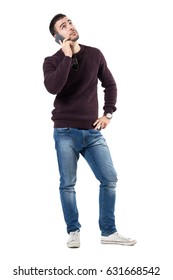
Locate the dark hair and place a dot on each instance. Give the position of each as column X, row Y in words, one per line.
column 53, row 21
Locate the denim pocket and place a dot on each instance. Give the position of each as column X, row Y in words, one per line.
column 64, row 129
column 94, row 131
column 61, row 131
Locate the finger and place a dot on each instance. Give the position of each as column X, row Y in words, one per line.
column 98, row 127
column 96, row 122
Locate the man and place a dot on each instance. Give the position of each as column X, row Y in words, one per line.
column 72, row 74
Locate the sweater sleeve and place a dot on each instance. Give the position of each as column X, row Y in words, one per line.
column 56, row 73
column 109, row 85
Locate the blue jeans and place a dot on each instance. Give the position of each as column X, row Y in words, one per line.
column 69, row 144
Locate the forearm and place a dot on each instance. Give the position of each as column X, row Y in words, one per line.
column 56, row 77
column 110, row 99
column 109, row 85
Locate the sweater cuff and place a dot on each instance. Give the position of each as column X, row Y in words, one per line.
column 109, row 110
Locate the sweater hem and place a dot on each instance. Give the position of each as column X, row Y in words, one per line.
column 74, row 124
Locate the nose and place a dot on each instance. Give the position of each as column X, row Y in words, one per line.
column 70, row 27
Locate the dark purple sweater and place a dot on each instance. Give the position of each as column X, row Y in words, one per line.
column 76, row 101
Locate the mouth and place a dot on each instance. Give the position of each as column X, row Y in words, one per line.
column 74, row 36
column 74, row 33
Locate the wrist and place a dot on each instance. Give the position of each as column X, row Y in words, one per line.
column 67, row 54
column 108, row 116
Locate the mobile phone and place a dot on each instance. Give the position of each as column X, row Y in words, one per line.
column 59, row 37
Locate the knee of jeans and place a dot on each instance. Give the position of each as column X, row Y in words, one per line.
column 108, row 185
column 111, row 185
column 66, row 188
column 67, row 183
column 112, row 181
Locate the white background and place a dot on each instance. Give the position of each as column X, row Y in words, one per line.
column 136, row 39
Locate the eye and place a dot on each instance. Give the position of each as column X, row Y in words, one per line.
column 63, row 26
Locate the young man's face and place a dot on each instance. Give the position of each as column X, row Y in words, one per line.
column 66, row 28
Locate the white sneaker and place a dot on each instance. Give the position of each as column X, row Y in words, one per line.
column 74, row 239
column 116, row 238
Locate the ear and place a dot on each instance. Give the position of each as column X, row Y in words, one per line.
column 55, row 34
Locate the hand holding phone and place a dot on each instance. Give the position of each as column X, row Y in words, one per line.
column 59, row 37
column 67, row 48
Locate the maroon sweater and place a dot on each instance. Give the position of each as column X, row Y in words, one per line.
column 76, row 101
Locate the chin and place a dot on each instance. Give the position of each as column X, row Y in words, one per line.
column 75, row 38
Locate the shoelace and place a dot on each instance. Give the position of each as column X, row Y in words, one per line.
column 122, row 237
column 73, row 235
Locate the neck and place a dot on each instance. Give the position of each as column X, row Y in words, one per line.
column 76, row 48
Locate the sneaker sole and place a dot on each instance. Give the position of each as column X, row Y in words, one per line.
column 118, row 243
column 76, row 245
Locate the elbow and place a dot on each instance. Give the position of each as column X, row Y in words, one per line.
column 50, row 88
